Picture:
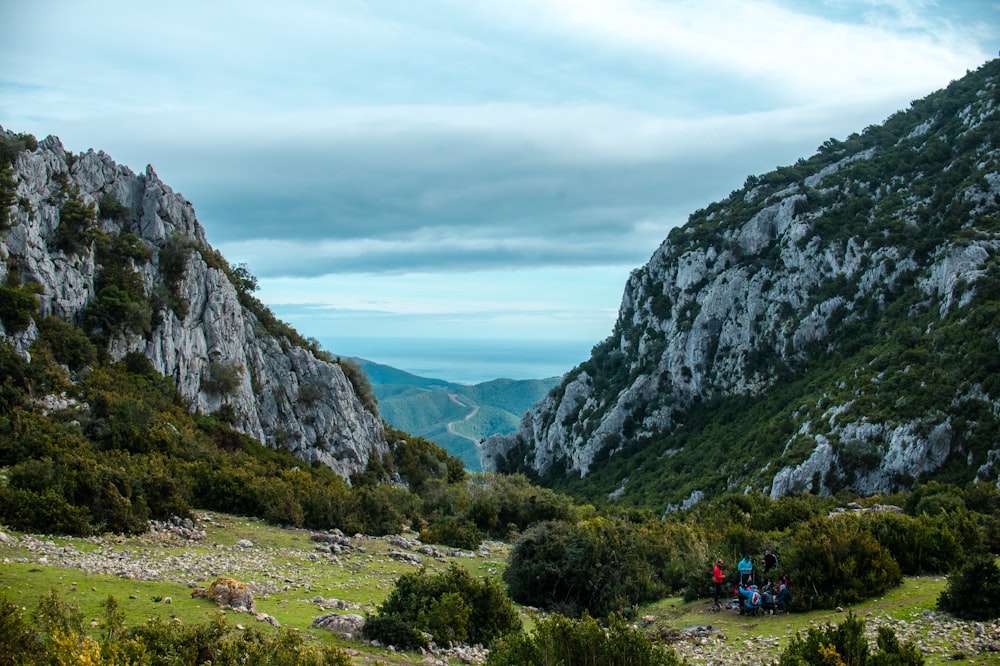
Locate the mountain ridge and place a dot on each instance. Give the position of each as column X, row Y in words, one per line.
column 778, row 320
column 88, row 241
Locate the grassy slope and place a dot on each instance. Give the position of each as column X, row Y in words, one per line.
column 281, row 559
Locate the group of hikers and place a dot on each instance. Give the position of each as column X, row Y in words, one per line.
column 774, row 597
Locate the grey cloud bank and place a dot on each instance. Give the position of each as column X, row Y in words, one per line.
column 344, row 149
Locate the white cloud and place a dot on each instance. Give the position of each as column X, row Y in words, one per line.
column 505, row 146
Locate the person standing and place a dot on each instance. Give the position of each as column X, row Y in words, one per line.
column 746, row 570
column 719, row 579
column 770, row 563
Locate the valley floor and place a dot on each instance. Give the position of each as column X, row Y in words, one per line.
column 296, row 579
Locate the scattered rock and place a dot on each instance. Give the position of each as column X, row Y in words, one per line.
column 347, row 626
column 245, row 543
column 228, row 593
column 264, row 617
column 409, row 558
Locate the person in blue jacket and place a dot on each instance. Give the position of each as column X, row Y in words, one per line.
column 749, row 599
column 745, row 568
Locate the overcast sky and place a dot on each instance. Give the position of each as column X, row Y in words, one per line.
column 466, row 168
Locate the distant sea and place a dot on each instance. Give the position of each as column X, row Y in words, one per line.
column 467, row 361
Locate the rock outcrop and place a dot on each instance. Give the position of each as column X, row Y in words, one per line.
column 893, row 224
column 192, row 314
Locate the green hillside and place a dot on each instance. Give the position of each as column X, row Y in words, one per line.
column 426, row 407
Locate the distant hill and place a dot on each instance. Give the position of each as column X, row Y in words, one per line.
column 455, row 416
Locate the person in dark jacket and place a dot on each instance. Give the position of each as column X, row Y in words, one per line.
column 770, row 563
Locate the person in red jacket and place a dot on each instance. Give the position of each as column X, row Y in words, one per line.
column 719, row 579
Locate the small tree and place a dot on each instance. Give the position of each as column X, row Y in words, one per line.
column 973, row 590
column 450, row 606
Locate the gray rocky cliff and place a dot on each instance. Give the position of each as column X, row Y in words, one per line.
column 754, row 287
column 196, row 330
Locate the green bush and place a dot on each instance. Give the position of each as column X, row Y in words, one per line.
column 67, row 342
column 451, row 606
column 77, row 224
column 845, row 645
column 973, row 590
column 929, row 543
column 454, row 532
column 584, row 642
column 833, row 561
column 362, row 385
column 18, row 303
column 222, row 378
column 599, row 566
column 58, row 636
column 111, row 209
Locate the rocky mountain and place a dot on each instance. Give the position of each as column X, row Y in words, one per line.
column 833, row 325
column 124, row 256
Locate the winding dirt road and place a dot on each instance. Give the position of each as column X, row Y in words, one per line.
column 475, row 410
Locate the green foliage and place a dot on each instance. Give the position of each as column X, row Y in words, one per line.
column 67, row 343
column 836, row 563
column 221, row 378
column 359, row 380
column 453, row 531
column 110, row 208
column 10, row 146
column 174, row 255
column 18, row 305
column 973, row 591
column 451, row 606
column 559, row 640
column 77, row 224
column 845, row 645
column 926, row 544
column 8, row 193
column 59, row 637
column 20, row 642
column 599, row 566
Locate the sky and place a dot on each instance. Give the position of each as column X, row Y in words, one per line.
column 466, row 169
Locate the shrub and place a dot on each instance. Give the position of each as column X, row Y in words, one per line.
column 21, row 644
column 928, row 543
column 362, row 385
column 973, row 590
column 223, row 379
column 77, row 224
column 559, row 640
column 310, row 393
column 845, row 644
column 18, row 304
column 112, row 209
column 599, row 566
column 453, row 531
column 834, row 562
column 450, row 606
column 8, row 193
column 115, row 311
column 68, row 343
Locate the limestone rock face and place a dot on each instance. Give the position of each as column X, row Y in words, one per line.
column 201, row 332
column 756, row 286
